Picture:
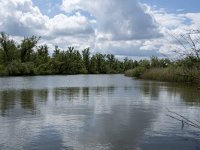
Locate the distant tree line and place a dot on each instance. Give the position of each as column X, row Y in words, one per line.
column 29, row 58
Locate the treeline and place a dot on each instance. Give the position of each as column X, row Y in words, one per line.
column 29, row 58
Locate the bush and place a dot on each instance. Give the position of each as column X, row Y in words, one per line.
column 136, row 72
column 17, row 68
column 43, row 69
column 27, row 69
column 2, row 70
column 14, row 68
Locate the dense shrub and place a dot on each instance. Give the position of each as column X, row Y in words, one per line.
column 136, row 72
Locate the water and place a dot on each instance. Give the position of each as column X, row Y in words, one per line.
column 95, row 112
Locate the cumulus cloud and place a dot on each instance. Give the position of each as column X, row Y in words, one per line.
column 125, row 28
column 21, row 17
column 120, row 26
column 62, row 25
column 117, row 20
column 126, row 48
column 172, row 26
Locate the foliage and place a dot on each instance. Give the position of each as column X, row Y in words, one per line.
column 136, row 72
column 17, row 68
column 2, row 70
column 8, row 49
column 26, row 48
column 29, row 58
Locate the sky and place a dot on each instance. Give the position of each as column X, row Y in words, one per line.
column 133, row 28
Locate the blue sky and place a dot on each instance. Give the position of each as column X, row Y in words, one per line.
column 134, row 28
column 170, row 5
column 48, row 7
column 174, row 5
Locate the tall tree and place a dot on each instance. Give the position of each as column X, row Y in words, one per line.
column 93, row 65
column 101, row 63
column 26, row 48
column 8, row 48
column 86, row 58
column 42, row 55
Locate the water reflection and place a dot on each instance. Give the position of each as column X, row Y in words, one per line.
column 99, row 112
column 119, row 130
column 11, row 100
column 27, row 100
column 190, row 95
column 85, row 93
column 76, row 93
column 14, row 101
column 42, row 95
column 66, row 93
column 7, row 101
column 154, row 90
column 48, row 139
column 151, row 89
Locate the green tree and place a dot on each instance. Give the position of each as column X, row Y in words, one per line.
column 8, row 49
column 129, row 64
column 101, row 63
column 26, row 48
column 42, row 55
column 72, row 63
column 93, row 65
column 86, row 58
column 56, row 52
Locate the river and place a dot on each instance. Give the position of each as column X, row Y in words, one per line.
column 96, row 112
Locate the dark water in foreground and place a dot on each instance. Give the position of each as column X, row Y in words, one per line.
column 95, row 112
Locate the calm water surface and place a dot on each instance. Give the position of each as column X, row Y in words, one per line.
column 95, row 112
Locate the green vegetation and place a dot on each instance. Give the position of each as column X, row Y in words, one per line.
column 29, row 58
column 183, row 70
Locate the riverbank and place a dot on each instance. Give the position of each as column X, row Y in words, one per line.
column 168, row 74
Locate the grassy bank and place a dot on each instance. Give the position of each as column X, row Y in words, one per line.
column 169, row 74
column 184, row 70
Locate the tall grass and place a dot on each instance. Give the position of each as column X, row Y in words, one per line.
column 136, row 72
column 170, row 74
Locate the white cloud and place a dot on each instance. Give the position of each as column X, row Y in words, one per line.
column 117, row 20
column 172, row 26
column 21, row 17
column 108, row 26
column 70, row 5
column 61, row 25
column 120, row 26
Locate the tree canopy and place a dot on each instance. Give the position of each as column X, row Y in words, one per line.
column 29, row 58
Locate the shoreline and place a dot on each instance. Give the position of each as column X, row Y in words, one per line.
column 164, row 75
